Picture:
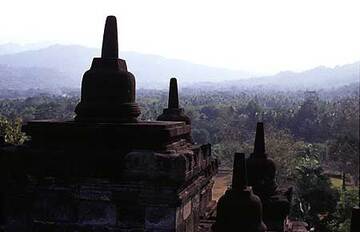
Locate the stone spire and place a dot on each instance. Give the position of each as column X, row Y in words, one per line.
column 173, row 112
column 108, row 89
column 239, row 178
column 239, row 209
column 259, row 145
column 261, row 169
column 110, row 39
column 173, row 95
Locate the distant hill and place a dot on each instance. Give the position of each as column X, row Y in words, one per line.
column 71, row 61
column 59, row 66
column 24, row 78
column 9, row 48
column 151, row 71
column 313, row 79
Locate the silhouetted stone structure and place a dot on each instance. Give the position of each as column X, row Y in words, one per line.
column 108, row 89
column 239, row 209
column 105, row 171
column 355, row 220
column 173, row 112
column 261, row 169
column 261, row 175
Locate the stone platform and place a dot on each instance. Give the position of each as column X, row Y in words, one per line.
column 141, row 135
column 106, row 177
column 106, row 170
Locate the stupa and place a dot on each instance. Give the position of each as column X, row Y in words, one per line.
column 261, row 175
column 106, row 170
column 239, row 209
column 174, row 112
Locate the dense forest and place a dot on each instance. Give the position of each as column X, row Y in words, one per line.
column 313, row 136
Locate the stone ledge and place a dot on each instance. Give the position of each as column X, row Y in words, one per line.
column 141, row 135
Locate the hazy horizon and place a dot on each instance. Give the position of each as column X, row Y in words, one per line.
column 254, row 74
column 256, row 36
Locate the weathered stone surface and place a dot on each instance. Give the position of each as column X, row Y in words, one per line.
column 105, row 171
column 53, row 205
column 97, row 213
column 160, row 218
column 70, row 188
column 141, row 135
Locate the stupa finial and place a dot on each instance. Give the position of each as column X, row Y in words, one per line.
column 110, row 39
column 173, row 112
column 259, row 146
column 173, row 94
column 239, row 179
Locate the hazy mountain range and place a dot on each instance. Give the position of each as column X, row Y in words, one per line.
column 318, row 78
column 9, row 48
column 151, row 71
column 57, row 66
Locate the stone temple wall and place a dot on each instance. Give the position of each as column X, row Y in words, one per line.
column 53, row 189
column 106, row 170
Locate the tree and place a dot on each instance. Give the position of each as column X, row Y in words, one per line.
column 315, row 201
column 349, row 198
column 11, row 131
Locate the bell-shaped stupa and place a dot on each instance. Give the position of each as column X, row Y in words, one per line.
column 173, row 112
column 239, row 209
column 108, row 89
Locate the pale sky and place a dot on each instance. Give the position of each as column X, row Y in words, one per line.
column 263, row 36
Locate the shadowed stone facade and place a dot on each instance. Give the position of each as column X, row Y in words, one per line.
column 106, row 171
